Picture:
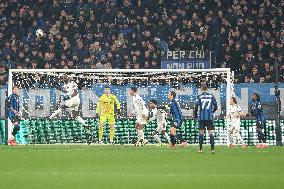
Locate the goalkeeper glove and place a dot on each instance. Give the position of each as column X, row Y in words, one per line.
column 117, row 113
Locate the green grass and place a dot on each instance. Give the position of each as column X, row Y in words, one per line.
column 99, row 167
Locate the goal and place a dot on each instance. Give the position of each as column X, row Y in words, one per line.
column 40, row 95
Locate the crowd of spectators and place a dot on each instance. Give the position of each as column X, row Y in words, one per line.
column 247, row 36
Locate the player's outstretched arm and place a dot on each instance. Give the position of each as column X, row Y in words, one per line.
column 117, row 103
column 241, row 112
column 117, row 111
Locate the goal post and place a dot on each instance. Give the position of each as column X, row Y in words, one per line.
column 224, row 90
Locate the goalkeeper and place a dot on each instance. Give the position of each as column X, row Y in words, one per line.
column 106, row 104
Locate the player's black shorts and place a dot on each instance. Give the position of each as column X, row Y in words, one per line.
column 202, row 124
column 260, row 124
column 176, row 123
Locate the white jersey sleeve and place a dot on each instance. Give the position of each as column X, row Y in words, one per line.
column 235, row 112
column 71, row 88
column 239, row 109
column 138, row 104
column 159, row 115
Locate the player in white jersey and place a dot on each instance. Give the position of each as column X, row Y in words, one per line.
column 72, row 101
column 141, row 114
column 235, row 113
column 161, row 116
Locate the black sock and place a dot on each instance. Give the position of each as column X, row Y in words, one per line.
column 259, row 137
column 15, row 130
column 211, row 136
column 262, row 137
column 201, row 137
column 173, row 139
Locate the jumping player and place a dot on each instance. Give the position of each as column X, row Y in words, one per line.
column 207, row 105
column 72, row 101
column 141, row 114
column 256, row 110
column 106, row 104
column 14, row 114
column 161, row 116
column 177, row 118
column 235, row 114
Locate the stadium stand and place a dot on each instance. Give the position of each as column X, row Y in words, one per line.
column 247, row 36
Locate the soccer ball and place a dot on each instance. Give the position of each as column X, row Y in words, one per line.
column 39, row 33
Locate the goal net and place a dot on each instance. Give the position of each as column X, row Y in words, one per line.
column 41, row 94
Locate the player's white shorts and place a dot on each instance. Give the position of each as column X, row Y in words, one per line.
column 73, row 103
column 161, row 127
column 140, row 120
column 235, row 124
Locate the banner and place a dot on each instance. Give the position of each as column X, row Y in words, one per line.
column 60, row 131
column 41, row 102
column 186, row 60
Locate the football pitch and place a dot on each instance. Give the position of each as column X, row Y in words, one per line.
column 122, row 167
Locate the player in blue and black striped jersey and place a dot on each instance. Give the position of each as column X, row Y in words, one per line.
column 207, row 105
column 177, row 118
column 13, row 109
column 256, row 110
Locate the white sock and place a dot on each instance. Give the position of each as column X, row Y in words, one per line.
column 231, row 136
column 167, row 137
column 80, row 120
column 140, row 135
column 240, row 138
column 55, row 113
column 157, row 138
column 235, row 139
